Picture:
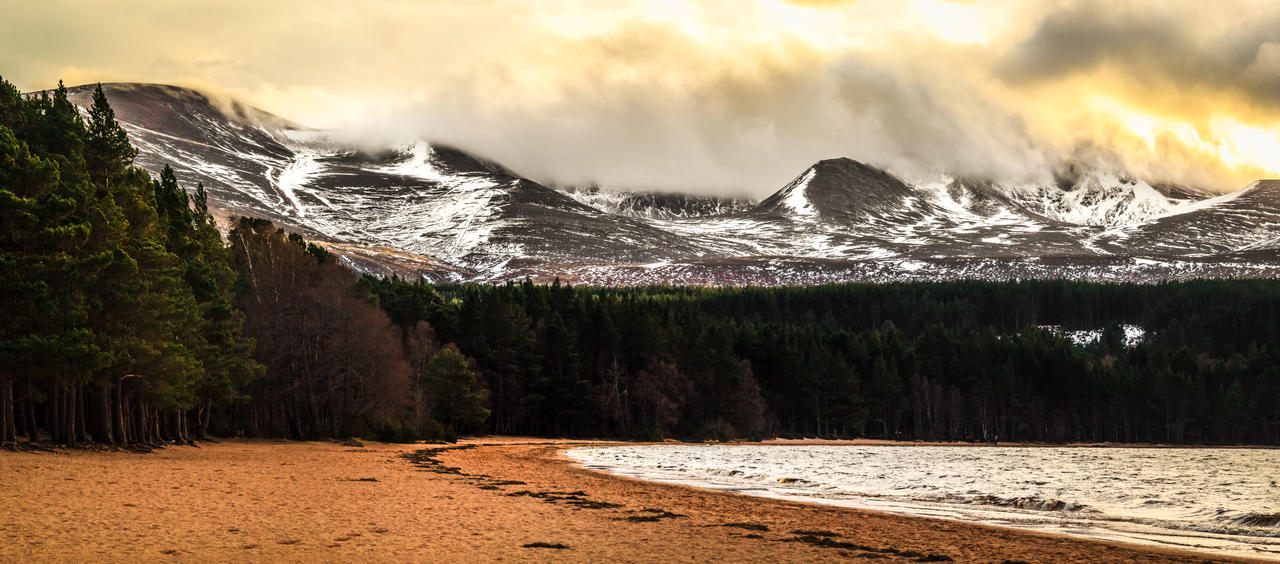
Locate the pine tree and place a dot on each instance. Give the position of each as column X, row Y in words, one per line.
column 36, row 321
column 122, row 313
column 451, row 383
column 46, row 202
column 107, row 148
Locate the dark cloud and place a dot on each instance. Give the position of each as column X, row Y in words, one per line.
column 1158, row 45
column 1080, row 40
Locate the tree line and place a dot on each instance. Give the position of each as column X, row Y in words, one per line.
column 965, row 360
column 336, row 366
column 130, row 320
column 117, row 324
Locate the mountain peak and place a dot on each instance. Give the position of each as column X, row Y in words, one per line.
column 1270, row 186
column 836, row 187
column 839, row 219
column 841, row 162
column 140, row 104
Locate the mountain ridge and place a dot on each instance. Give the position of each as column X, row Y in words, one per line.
column 468, row 218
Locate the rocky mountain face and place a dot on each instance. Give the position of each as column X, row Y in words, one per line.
column 437, row 212
column 656, row 205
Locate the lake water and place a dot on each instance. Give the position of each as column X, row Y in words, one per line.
column 1224, row 501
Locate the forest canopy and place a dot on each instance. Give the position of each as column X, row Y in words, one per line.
column 969, row 361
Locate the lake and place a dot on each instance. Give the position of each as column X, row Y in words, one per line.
column 1222, row 501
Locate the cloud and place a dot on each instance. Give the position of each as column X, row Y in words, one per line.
column 1080, row 40
column 1160, row 45
column 712, row 96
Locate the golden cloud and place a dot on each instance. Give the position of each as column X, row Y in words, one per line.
column 716, row 96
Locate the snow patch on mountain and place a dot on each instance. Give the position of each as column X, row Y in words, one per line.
column 656, row 205
column 938, row 192
column 795, row 198
column 418, row 161
column 1214, row 202
column 1097, row 198
column 294, row 177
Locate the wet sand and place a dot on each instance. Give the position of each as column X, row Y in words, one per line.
column 492, row 499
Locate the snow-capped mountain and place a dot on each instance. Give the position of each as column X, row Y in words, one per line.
column 429, row 210
column 1245, row 220
column 1100, row 199
column 470, row 215
column 655, row 205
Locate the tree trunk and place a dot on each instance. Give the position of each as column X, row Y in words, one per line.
column 20, row 424
column 202, row 418
column 82, row 416
column 175, row 426
column 316, row 424
column 163, row 426
column 156, row 437
column 144, row 433
column 55, row 412
column 33, row 431
column 104, row 417
column 121, row 434
column 69, row 399
column 295, row 426
column 139, row 434
column 184, row 428
column 8, row 427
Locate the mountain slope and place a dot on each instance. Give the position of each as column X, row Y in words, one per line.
column 654, row 205
column 837, row 189
column 420, row 209
column 1248, row 219
column 420, row 199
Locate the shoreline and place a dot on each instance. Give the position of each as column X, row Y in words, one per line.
column 484, row 499
column 1002, row 444
column 1102, row 550
column 1069, row 508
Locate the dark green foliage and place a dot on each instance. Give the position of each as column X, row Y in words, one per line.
column 389, row 431
column 451, row 385
column 117, row 325
column 939, row 361
column 107, row 150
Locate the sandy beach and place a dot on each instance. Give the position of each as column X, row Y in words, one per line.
column 487, row 499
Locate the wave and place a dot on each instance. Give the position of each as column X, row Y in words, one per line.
column 1257, row 520
column 1032, row 503
column 1167, row 497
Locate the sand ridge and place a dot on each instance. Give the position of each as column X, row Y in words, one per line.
column 489, row 499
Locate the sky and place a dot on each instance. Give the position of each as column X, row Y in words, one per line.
column 726, row 97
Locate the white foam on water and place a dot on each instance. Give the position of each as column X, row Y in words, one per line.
column 1221, row 501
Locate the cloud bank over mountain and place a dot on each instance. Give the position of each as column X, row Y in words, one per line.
column 719, row 97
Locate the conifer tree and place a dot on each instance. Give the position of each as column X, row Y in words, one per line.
column 107, row 148
column 120, row 315
column 451, row 384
